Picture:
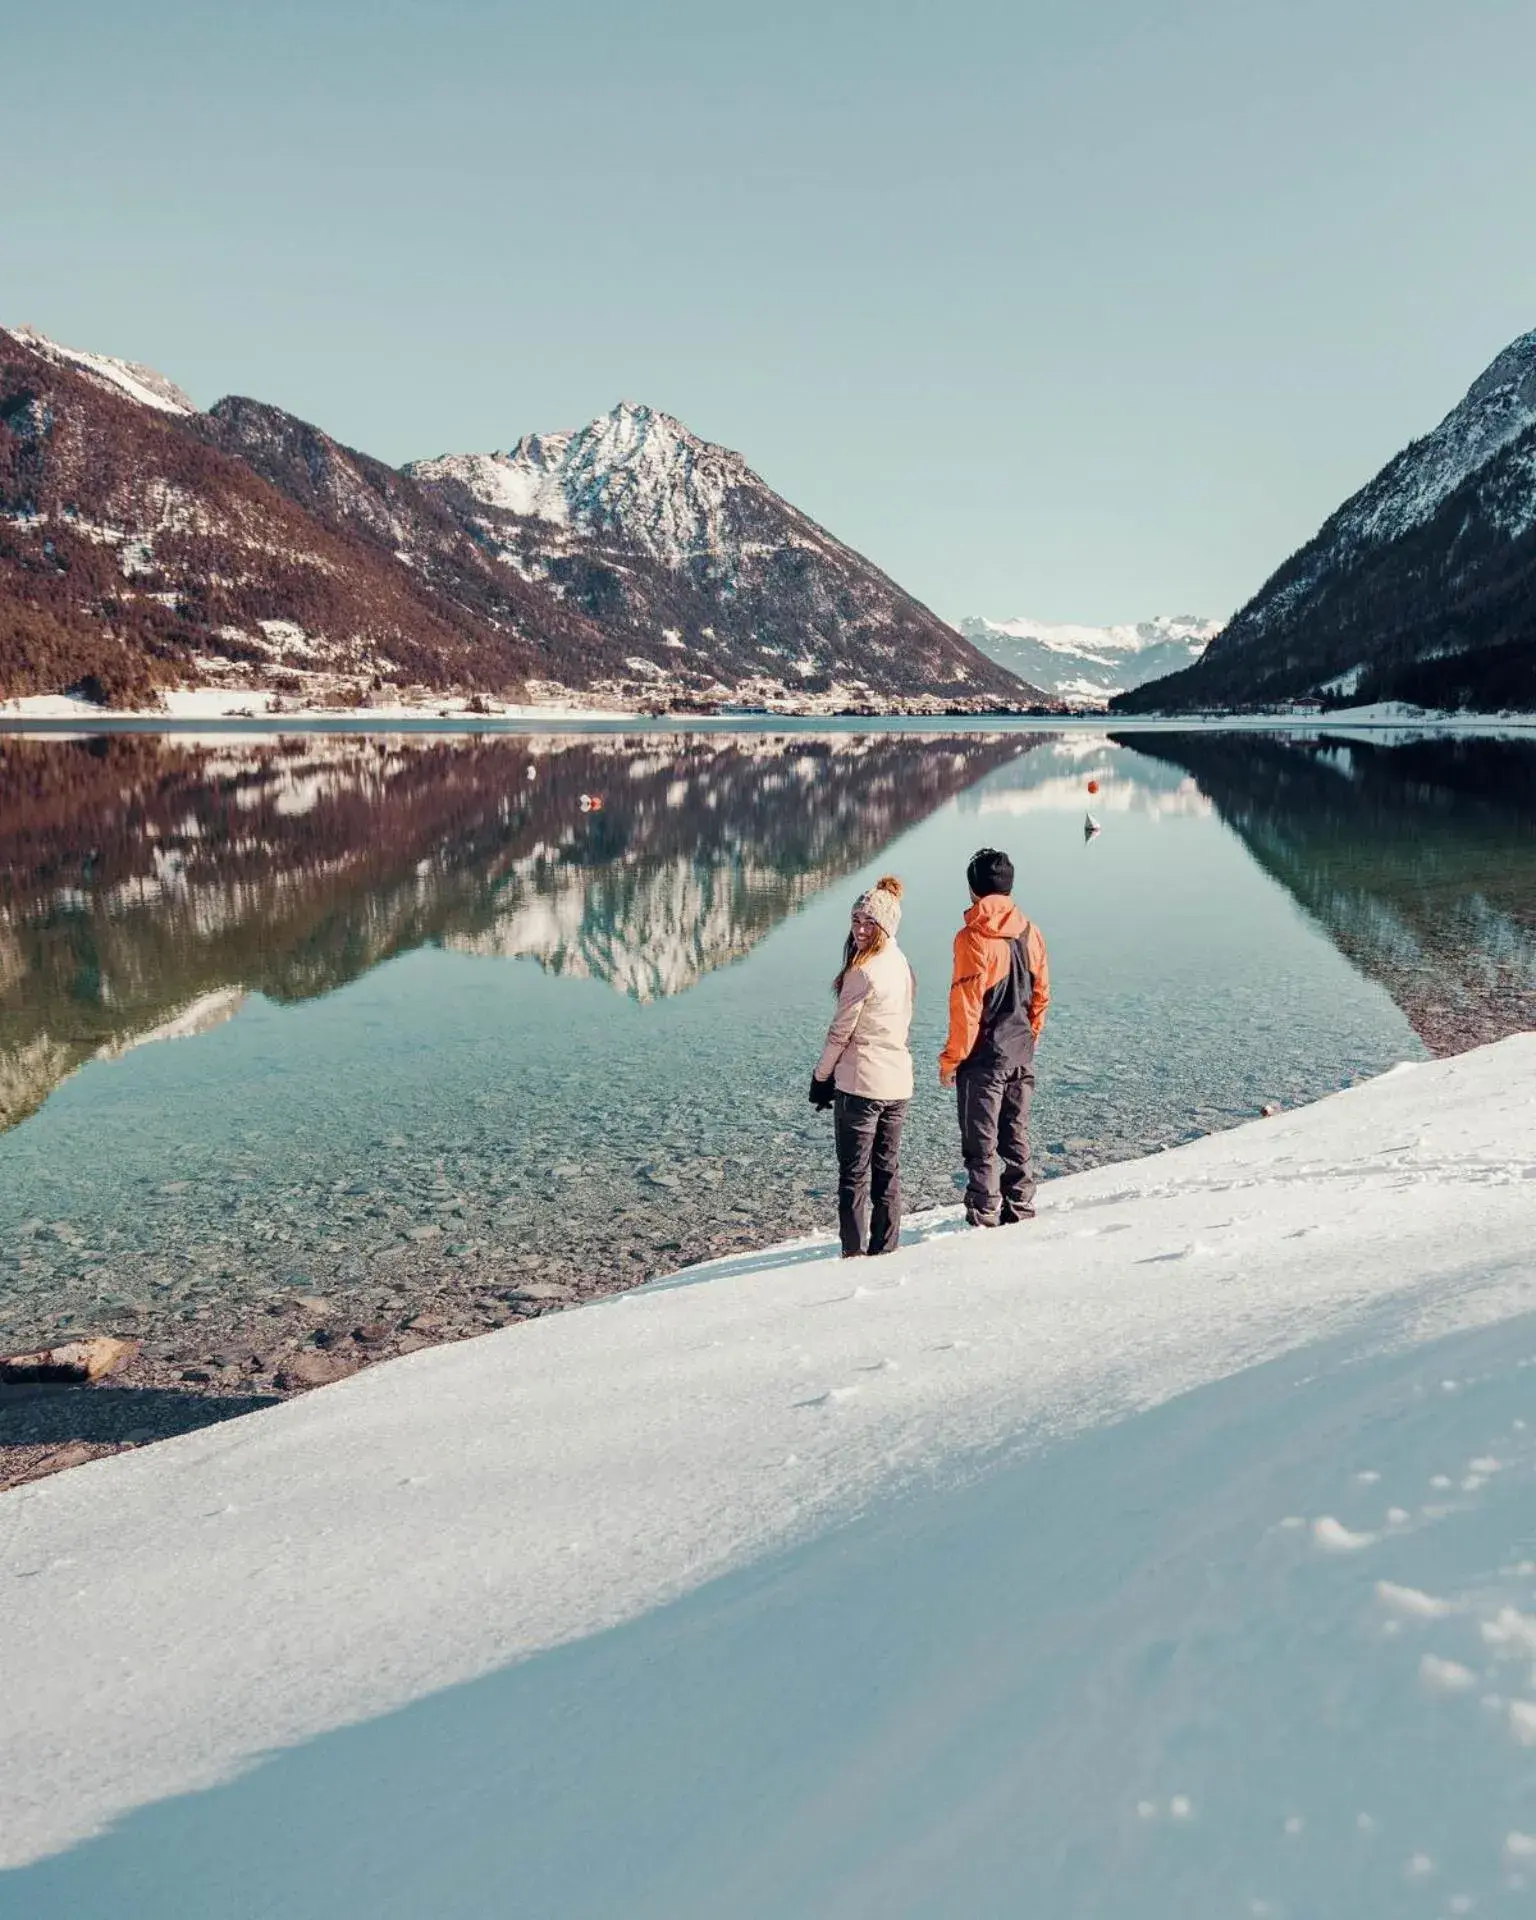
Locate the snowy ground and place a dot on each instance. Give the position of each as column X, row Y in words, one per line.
column 1170, row 1557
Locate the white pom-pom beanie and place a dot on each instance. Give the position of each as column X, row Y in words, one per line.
column 881, row 906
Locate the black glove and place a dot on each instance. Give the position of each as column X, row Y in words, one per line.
column 823, row 1093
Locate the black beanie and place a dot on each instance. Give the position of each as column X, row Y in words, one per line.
column 990, row 872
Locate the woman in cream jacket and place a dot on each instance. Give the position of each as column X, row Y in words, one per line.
column 865, row 1072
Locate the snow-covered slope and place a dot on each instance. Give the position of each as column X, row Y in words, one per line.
column 1091, row 1648
column 1500, row 407
column 1086, row 665
column 1420, row 587
column 721, row 589
column 127, row 377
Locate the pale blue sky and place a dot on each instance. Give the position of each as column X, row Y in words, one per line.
column 1088, row 311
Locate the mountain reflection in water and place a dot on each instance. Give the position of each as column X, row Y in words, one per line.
column 1417, row 858
column 145, row 886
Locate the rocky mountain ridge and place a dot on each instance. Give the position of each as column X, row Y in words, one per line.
column 126, row 377
column 1420, row 588
column 145, row 545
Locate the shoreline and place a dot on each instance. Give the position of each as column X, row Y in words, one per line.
column 245, row 1353
column 362, row 721
column 249, row 1350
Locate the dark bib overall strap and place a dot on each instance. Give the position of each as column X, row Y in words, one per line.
column 1005, row 1039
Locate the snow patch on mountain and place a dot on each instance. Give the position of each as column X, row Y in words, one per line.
column 514, row 484
column 138, row 383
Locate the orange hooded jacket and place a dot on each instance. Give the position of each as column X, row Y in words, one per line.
column 982, row 959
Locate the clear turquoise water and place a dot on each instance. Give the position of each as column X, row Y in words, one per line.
column 490, row 1041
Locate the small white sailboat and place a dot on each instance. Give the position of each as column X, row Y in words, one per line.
column 1091, row 827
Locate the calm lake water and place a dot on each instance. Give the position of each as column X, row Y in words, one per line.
column 398, row 1022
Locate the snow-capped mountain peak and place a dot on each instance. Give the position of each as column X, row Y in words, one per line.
column 1088, row 665
column 137, row 383
column 633, row 471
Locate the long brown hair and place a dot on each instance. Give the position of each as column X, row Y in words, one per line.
column 875, row 939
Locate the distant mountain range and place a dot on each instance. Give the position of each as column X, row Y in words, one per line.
column 1420, row 588
column 145, row 545
column 1087, row 666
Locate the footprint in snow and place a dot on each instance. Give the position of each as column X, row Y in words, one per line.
column 828, row 1399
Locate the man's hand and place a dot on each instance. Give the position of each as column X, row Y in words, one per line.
column 946, row 1076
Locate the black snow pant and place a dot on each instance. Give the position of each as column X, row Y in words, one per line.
column 994, row 1124
column 868, row 1172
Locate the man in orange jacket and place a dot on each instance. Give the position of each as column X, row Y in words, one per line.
column 997, row 1002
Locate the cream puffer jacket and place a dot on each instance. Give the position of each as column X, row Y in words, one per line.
column 866, row 1051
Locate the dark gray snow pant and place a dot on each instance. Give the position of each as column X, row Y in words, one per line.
column 868, row 1136
column 994, row 1124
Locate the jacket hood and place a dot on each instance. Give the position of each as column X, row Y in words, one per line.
column 996, row 917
